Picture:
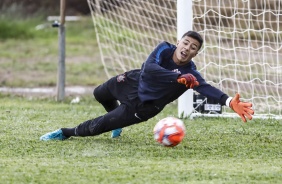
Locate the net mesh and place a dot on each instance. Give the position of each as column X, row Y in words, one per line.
column 242, row 50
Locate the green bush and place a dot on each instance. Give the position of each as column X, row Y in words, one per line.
column 11, row 29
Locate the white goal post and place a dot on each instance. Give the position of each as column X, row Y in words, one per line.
column 242, row 49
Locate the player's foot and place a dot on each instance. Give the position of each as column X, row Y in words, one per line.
column 116, row 132
column 55, row 135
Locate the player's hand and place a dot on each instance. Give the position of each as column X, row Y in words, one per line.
column 188, row 79
column 243, row 109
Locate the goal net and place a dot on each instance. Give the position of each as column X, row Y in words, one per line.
column 242, row 49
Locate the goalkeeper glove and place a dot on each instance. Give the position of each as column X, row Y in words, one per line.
column 243, row 109
column 188, row 79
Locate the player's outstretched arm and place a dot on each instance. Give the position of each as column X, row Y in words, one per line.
column 243, row 109
column 188, row 79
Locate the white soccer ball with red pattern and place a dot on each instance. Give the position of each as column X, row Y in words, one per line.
column 169, row 131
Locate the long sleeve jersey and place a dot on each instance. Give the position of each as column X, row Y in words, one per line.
column 158, row 78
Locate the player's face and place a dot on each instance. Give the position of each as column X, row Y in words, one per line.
column 187, row 48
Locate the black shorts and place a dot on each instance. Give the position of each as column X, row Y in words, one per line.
column 122, row 88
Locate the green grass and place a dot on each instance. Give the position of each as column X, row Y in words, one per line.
column 214, row 150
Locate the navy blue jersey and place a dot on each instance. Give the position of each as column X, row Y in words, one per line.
column 158, row 78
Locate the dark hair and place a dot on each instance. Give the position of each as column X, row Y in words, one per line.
column 195, row 35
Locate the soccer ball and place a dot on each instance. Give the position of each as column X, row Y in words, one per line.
column 169, row 131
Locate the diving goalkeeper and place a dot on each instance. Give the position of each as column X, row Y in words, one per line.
column 138, row 95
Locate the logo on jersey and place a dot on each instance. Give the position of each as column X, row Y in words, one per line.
column 176, row 71
column 120, row 78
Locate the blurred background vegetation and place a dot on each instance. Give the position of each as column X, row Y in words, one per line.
column 29, row 45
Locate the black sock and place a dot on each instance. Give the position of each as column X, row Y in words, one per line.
column 68, row 132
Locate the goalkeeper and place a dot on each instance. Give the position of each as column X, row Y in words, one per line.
column 140, row 94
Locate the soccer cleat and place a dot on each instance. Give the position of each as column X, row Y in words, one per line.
column 55, row 135
column 116, row 132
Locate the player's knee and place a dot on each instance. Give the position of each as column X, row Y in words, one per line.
column 97, row 93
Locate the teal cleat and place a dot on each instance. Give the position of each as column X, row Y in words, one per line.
column 116, row 132
column 55, row 135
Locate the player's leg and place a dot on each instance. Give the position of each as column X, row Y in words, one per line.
column 107, row 94
column 122, row 116
column 119, row 88
column 103, row 95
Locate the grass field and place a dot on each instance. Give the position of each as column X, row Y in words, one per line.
column 213, row 150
